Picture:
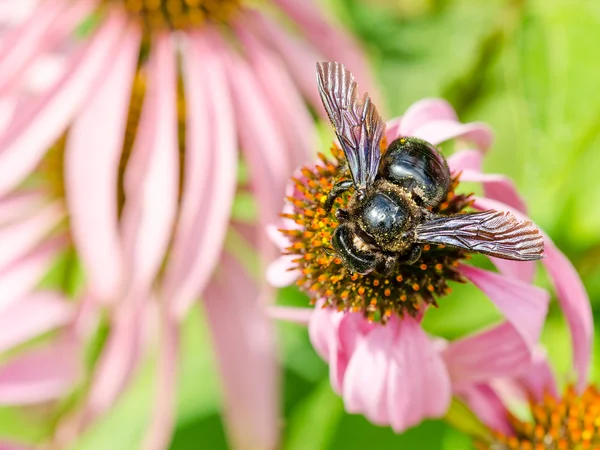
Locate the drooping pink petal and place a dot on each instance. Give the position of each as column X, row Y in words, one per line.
column 26, row 140
column 392, row 129
column 277, row 237
column 488, row 407
column 576, row 307
column 397, row 377
column 425, row 111
column 285, row 101
column 524, row 306
column 33, row 316
column 210, row 177
column 331, row 41
column 243, row 338
column 465, row 160
column 52, row 22
column 322, row 330
column 263, row 145
column 497, row 187
column 438, row 131
column 19, row 205
column 13, row 14
column 21, row 43
column 40, row 375
column 92, row 158
column 290, row 314
column 158, row 436
column 119, row 358
column 418, row 384
column 299, row 57
column 19, row 238
column 4, row 445
column 279, row 274
column 571, row 294
column 497, row 352
column 539, row 379
column 151, row 177
column 19, row 278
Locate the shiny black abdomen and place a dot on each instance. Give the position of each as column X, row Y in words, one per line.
column 383, row 216
column 418, row 167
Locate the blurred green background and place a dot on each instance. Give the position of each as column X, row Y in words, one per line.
column 528, row 68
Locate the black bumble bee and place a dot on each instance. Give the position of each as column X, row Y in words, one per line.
column 388, row 219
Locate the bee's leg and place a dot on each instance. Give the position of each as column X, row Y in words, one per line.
column 341, row 215
column 414, row 255
column 338, row 189
column 387, row 264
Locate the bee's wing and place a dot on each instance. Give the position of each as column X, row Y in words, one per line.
column 494, row 233
column 355, row 119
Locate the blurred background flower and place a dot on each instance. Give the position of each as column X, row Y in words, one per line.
column 119, row 137
column 525, row 67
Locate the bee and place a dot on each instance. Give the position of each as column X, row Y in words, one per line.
column 389, row 216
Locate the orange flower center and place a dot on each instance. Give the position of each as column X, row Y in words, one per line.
column 323, row 274
column 178, row 14
column 571, row 423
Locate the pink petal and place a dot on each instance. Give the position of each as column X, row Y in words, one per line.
column 92, row 160
column 244, row 339
column 279, row 274
column 19, row 205
column 466, row 160
column 33, row 316
column 425, row 111
column 4, row 445
column 571, row 293
column 497, row 187
column 51, row 23
column 576, row 307
column 524, row 306
column 21, row 277
column 119, row 359
column 396, row 376
column 284, row 99
column 34, row 131
column 210, row 177
column 300, row 316
column 497, row 352
column 21, row 44
column 365, row 383
column 39, row 375
column 488, row 407
column 260, row 138
column 297, row 55
column 438, row 131
column 539, row 379
column 331, row 41
column 159, row 432
column 151, row 178
column 19, row 238
column 392, row 129
column 418, row 383
column 322, row 330
column 277, row 237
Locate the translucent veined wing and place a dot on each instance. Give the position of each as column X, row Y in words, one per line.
column 355, row 120
column 494, row 233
